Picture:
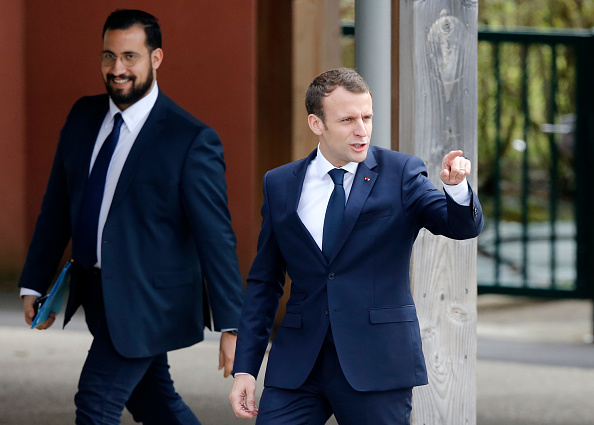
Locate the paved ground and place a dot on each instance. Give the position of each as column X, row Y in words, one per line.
column 534, row 367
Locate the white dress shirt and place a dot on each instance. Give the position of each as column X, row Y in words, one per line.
column 316, row 191
column 318, row 186
column 134, row 118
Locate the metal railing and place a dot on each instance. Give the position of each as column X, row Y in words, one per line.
column 535, row 145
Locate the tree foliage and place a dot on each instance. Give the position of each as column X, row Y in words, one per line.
column 536, row 13
column 535, row 84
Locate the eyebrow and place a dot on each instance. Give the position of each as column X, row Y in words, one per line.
column 349, row 116
column 123, row 53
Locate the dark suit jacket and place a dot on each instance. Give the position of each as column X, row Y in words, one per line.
column 167, row 231
column 363, row 291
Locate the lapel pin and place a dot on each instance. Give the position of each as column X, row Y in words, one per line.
column 367, row 179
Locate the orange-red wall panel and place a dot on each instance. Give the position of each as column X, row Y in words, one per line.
column 12, row 139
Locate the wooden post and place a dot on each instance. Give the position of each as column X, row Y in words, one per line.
column 438, row 113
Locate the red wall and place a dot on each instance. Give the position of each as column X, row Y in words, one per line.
column 12, row 139
column 208, row 68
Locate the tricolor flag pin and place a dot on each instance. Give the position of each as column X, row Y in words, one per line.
column 367, row 179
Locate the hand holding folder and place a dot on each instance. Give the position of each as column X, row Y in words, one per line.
column 56, row 298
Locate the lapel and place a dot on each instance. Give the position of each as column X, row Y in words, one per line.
column 151, row 128
column 294, row 188
column 87, row 135
column 91, row 130
column 362, row 184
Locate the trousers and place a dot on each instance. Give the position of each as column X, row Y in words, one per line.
column 109, row 382
column 326, row 391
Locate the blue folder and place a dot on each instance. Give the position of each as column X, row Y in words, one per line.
column 56, row 297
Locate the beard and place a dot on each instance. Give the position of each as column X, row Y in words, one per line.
column 136, row 92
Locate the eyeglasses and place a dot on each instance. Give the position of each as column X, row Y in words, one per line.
column 128, row 59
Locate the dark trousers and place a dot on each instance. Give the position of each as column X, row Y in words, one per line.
column 109, row 381
column 325, row 392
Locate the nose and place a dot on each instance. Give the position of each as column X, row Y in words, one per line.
column 118, row 67
column 360, row 129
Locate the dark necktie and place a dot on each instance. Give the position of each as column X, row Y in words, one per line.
column 334, row 213
column 84, row 238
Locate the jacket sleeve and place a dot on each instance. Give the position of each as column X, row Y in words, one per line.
column 52, row 229
column 429, row 207
column 204, row 193
column 265, row 285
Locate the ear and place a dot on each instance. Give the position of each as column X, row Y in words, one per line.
column 315, row 124
column 156, row 58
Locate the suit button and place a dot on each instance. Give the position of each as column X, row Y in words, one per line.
column 474, row 210
column 331, row 276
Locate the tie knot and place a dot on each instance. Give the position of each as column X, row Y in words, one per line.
column 337, row 175
column 117, row 120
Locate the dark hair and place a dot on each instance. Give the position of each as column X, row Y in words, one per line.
column 122, row 19
column 326, row 82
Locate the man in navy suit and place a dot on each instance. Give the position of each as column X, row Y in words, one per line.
column 349, row 343
column 153, row 247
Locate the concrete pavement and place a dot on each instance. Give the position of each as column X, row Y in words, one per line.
column 533, row 368
column 535, row 362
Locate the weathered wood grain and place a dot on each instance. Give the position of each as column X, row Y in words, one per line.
column 438, row 113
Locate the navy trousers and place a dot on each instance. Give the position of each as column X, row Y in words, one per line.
column 109, row 381
column 325, row 392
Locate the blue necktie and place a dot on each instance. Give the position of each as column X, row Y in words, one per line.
column 334, row 213
column 84, row 238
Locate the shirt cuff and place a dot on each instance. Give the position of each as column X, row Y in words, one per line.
column 27, row 291
column 459, row 192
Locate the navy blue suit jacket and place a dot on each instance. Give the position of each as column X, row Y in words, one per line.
column 363, row 291
column 168, row 232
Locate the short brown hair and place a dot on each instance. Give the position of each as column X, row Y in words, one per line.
column 326, row 82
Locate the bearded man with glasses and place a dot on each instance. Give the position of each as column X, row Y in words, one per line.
column 138, row 185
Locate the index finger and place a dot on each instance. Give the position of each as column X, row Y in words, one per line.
column 451, row 156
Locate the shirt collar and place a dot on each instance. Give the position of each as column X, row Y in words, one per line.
column 136, row 113
column 323, row 165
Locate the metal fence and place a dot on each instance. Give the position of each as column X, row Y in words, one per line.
column 536, row 150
